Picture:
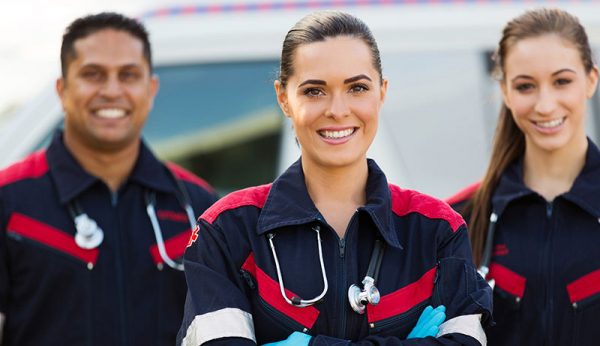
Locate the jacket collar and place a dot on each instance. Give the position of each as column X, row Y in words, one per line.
column 71, row 179
column 288, row 203
column 585, row 191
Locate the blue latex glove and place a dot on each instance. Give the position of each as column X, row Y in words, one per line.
column 295, row 339
column 429, row 322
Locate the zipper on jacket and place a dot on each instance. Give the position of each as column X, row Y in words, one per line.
column 344, row 278
column 548, row 279
column 549, row 207
column 343, row 282
column 120, row 277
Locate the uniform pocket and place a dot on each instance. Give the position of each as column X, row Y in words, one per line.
column 509, row 289
column 584, row 294
column 25, row 229
column 400, row 325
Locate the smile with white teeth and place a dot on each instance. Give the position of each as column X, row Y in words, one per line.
column 550, row 124
column 336, row 134
column 110, row 113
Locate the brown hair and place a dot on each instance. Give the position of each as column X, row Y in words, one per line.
column 317, row 27
column 509, row 141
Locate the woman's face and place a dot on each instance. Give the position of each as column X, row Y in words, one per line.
column 333, row 99
column 546, row 88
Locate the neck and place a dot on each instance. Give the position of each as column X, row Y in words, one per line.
column 337, row 192
column 111, row 166
column 551, row 173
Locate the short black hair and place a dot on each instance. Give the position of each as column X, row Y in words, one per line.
column 85, row 26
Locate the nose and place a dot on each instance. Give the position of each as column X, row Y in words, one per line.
column 546, row 102
column 339, row 106
column 111, row 88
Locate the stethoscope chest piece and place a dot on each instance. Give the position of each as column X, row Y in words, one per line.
column 89, row 235
column 359, row 298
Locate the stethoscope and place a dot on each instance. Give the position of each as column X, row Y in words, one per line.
column 357, row 297
column 484, row 268
column 89, row 235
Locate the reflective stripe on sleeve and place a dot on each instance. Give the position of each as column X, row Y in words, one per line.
column 1, row 326
column 224, row 323
column 467, row 325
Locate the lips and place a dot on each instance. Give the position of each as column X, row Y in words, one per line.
column 336, row 134
column 550, row 124
column 110, row 113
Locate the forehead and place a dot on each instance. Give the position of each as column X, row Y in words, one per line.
column 341, row 56
column 109, row 47
column 542, row 54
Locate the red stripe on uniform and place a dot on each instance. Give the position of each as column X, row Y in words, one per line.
column 188, row 176
column 172, row 215
column 175, row 246
column 507, row 280
column 463, row 194
column 404, row 299
column 409, row 201
column 584, row 287
column 252, row 196
column 50, row 236
column 33, row 166
column 269, row 291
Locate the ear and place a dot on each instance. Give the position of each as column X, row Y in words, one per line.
column 592, row 79
column 504, row 89
column 154, row 86
column 282, row 99
column 60, row 87
column 383, row 90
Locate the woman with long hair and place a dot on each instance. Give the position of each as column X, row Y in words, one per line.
column 330, row 253
column 534, row 218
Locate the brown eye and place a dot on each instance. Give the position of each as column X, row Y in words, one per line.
column 562, row 81
column 524, row 87
column 313, row 92
column 358, row 88
column 92, row 75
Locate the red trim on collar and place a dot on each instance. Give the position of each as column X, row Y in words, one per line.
column 50, row 236
column 584, row 287
column 33, row 166
column 404, row 299
column 464, row 194
column 175, row 246
column 185, row 175
column 409, row 201
column 269, row 291
column 507, row 280
column 252, row 196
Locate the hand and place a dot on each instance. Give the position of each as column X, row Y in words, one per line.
column 295, row 339
column 429, row 322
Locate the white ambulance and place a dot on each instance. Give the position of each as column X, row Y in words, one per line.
column 216, row 111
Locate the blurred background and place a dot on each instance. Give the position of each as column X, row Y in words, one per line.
column 216, row 112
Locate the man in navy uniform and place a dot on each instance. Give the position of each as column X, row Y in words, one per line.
column 93, row 227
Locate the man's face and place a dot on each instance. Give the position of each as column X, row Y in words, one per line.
column 108, row 91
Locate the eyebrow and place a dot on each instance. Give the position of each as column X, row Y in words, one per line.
column 346, row 81
column 554, row 74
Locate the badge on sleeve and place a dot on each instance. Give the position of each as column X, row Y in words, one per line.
column 194, row 235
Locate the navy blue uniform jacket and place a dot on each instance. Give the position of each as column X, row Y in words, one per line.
column 234, row 296
column 546, row 260
column 53, row 292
